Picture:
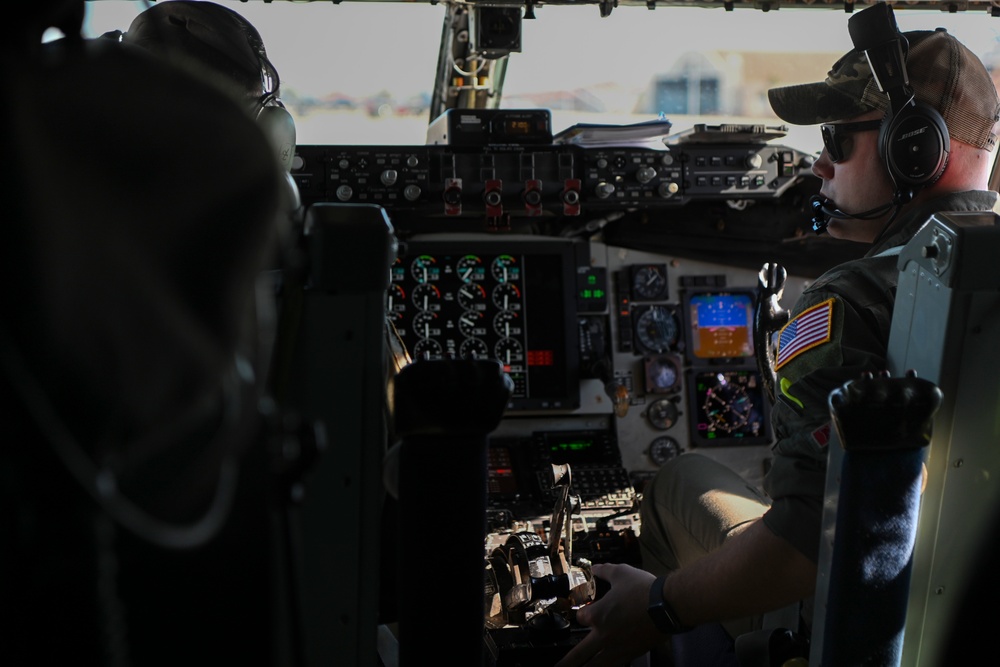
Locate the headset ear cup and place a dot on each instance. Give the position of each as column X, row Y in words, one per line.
column 914, row 144
column 279, row 127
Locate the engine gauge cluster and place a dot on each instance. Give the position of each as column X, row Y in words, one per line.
column 467, row 306
column 492, row 300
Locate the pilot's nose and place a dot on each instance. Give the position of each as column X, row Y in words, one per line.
column 823, row 166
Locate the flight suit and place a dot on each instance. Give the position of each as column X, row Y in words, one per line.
column 838, row 329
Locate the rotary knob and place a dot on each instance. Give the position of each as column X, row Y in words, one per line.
column 604, row 189
column 668, row 189
column 645, row 174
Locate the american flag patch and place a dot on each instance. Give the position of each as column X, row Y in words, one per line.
column 809, row 329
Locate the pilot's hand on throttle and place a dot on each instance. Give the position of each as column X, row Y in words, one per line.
column 620, row 628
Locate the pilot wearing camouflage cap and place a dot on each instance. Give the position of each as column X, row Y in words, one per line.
column 866, row 200
column 953, row 98
column 890, row 160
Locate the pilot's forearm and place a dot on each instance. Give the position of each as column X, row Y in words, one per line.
column 752, row 573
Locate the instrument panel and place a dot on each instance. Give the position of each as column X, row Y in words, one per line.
column 652, row 349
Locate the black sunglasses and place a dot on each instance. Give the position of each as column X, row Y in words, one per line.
column 836, row 136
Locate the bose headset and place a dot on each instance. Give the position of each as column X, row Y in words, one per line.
column 217, row 38
column 913, row 140
column 273, row 118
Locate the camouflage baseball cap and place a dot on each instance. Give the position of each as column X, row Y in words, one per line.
column 943, row 73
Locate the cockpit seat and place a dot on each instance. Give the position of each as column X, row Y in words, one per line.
column 921, row 512
column 140, row 204
column 882, row 426
column 945, row 326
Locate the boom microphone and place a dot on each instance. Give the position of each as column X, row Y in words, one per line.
column 825, row 210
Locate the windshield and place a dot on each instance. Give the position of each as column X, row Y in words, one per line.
column 363, row 72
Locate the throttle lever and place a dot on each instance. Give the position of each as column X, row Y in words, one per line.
column 561, row 479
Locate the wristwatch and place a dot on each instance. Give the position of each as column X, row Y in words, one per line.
column 664, row 617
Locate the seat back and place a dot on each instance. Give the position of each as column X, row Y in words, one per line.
column 329, row 373
column 945, row 321
column 140, row 206
column 945, row 326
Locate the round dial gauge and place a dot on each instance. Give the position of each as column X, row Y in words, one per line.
column 426, row 348
column 398, row 270
column 507, row 297
column 395, row 302
column 471, row 323
column 425, row 269
column 425, row 324
column 663, row 449
column 649, row 282
column 509, row 351
column 473, row 348
column 663, row 374
column 426, row 297
column 471, row 295
column 507, row 324
column 505, row 269
column 662, row 414
column 656, row 329
column 470, row 269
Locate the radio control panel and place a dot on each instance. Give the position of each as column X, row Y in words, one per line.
column 525, row 181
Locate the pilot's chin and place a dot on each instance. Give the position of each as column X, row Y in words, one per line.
column 839, row 228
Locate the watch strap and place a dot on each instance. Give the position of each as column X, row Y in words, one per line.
column 662, row 614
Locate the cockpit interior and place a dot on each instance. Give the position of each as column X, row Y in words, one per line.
column 387, row 401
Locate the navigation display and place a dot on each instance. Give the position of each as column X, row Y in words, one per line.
column 508, row 300
column 728, row 407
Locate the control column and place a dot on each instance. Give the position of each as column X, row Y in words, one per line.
column 443, row 412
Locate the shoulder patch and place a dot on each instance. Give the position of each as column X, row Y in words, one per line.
column 809, row 329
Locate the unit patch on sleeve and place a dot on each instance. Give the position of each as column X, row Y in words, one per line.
column 809, row 329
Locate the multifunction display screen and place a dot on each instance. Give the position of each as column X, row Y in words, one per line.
column 720, row 324
column 728, row 407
